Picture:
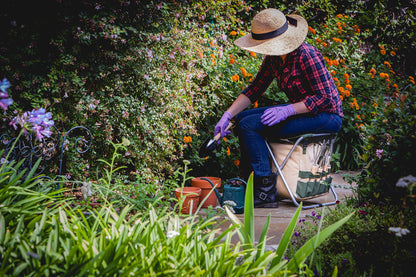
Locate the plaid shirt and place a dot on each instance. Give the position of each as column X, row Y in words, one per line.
column 303, row 77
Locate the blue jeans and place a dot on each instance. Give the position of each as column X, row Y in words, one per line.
column 251, row 133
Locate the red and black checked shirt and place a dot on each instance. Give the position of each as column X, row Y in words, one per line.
column 303, row 77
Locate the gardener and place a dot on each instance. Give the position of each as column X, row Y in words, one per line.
column 300, row 71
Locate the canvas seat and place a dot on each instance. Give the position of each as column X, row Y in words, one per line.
column 303, row 167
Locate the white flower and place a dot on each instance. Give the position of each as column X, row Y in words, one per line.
column 86, row 190
column 230, row 203
column 399, row 231
column 172, row 234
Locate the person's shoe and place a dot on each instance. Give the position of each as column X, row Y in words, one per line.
column 265, row 192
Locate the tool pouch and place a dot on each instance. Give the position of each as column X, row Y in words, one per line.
column 307, row 170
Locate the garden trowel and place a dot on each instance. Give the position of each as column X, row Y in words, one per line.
column 210, row 144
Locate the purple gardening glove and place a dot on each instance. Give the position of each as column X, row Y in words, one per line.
column 222, row 125
column 277, row 114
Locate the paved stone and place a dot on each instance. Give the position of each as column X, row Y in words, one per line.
column 281, row 216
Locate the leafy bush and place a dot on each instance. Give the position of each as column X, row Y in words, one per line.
column 366, row 244
column 388, row 138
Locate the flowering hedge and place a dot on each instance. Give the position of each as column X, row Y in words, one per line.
column 161, row 74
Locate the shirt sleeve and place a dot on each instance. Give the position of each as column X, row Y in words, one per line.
column 320, row 81
column 262, row 81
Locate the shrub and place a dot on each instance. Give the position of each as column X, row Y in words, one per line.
column 157, row 72
column 364, row 245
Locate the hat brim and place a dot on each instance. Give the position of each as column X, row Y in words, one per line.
column 280, row 45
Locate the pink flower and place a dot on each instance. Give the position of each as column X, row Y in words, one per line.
column 379, row 153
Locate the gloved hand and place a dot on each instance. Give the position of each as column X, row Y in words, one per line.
column 222, row 125
column 277, row 114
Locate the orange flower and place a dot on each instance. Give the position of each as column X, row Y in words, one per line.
column 354, row 104
column 236, row 162
column 375, row 105
column 242, row 33
column 347, row 93
column 386, row 63
column 337, row 40
column 310, row 29
column 187, row 139
column 232, row 61
column 213, row 61
column 318, row 40
column 384, row 75
column 235, row 78
column 256, row 104
column 253, row 54
column 228, row 151
column 243, row 71
column 324, row 44
column 233, row 33
column 356, row 29
column 349, row 87
column 383, row 52
column 224, row 139
column 339, row 16
column 346, row 76
column 393, row 53
column 333, row 73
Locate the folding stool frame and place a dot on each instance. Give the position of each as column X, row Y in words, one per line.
column 280, row 167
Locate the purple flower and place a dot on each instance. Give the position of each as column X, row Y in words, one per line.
column 37, row 121
column 5, row 101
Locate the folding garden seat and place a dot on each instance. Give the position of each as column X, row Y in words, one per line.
column 303, row 167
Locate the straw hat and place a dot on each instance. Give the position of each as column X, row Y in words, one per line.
column 273, row 33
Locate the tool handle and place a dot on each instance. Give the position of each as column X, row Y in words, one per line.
column 218, row 136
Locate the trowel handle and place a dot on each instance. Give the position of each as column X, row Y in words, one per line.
column 218, row 136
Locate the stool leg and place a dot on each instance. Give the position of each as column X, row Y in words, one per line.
column 265, row 192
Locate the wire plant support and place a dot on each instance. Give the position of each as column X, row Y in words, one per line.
column 30, row 150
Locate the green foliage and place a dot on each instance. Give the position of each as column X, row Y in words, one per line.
column 387, row 156
column 365, row 245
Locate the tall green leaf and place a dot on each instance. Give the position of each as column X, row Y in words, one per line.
column 311, row 244
column 249, row 209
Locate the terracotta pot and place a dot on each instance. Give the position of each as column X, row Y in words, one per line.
column 207, row 192
column 191, row 195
